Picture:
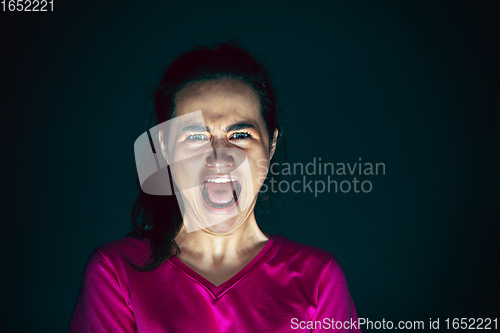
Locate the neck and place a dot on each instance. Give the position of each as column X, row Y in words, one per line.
column 203, row 246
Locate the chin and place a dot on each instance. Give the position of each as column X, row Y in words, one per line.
column 226, row 227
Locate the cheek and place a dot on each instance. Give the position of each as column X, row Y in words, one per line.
column 186, row 168
column 259, row 166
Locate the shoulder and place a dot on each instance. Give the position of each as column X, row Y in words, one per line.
column 304, row 251
column 120, row 251
column 308, row 257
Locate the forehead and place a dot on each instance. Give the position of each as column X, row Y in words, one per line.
column 219, row 100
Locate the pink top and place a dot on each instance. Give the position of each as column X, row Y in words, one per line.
column 287, row 287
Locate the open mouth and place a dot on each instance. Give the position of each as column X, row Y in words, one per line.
column 220, row 193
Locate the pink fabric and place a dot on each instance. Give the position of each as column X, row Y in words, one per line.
column 286, row 280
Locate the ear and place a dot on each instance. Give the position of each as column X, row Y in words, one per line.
column 273, row 143
column 163, row 145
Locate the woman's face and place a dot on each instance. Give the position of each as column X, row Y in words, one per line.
column 218, row 151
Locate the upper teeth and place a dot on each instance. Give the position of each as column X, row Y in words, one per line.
column 220, row 180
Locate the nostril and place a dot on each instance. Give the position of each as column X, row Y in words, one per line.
column 220, row 158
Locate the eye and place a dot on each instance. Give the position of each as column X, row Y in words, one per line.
column 196, row 137
column 240, row 135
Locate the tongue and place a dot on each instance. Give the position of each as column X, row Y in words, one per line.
column 220, row 193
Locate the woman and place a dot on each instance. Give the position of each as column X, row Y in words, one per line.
column 198, row 262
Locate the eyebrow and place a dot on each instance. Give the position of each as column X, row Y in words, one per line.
column 195, row 128
column 234, row 127
column 239, row 126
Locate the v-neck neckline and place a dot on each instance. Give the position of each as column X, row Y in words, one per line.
column 218, row 291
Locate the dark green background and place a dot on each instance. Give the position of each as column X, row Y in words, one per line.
column 413, row 85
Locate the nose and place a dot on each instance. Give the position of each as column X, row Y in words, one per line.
column 221, row 156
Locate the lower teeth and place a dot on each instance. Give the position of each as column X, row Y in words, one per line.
column 206, row 197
